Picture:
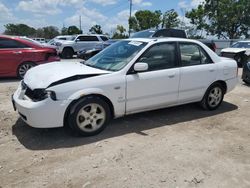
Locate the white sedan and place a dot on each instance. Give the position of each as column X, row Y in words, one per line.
column 130, row 76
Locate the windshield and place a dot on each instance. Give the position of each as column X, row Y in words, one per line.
column 241, row 45
column 72, row 38
column 116, row 56
column 143, row 34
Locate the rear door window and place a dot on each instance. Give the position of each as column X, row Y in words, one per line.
column 88, row 38
column 192, row 54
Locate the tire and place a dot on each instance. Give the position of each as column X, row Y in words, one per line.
column 247, row 82
column 213, row 97
column 89, row 116
column 23, row 68
column 67, row 53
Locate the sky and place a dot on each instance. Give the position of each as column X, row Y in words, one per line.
column 59, row 13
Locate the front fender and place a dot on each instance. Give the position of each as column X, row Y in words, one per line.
column 85, row 92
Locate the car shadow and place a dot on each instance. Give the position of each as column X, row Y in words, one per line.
column 45, row 139
column 9, row 80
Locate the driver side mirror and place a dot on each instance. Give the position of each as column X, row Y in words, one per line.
column 77, row 40
column 140, row 67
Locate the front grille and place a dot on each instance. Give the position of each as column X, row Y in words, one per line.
column 29, row 93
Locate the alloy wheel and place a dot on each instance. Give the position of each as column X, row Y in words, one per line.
column 91, row 117
column 215, row 96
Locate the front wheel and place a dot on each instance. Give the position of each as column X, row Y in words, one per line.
column 89, row 116
column 67, row 53
column 213, row 97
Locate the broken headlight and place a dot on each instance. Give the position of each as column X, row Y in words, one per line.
column 40, row 94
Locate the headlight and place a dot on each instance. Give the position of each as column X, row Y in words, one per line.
column 41, row 94
column 58, row 44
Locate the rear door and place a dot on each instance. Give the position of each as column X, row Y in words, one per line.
column 197, row 72
column 11, row 55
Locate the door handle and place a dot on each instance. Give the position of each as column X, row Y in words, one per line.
column 19, row 52
column 171, row 75
column 211, row 70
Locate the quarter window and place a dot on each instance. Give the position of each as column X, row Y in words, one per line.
column 104, row 38
column 8, row 43
column 160, row 56
column 192, row 54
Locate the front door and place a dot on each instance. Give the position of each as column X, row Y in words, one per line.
column 157, row 87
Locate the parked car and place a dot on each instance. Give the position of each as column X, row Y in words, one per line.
column 178, row 33
column 88, row 53
column 18, row 55
column 152, row 33
column 41, row 40
column 70, row 47
column 246, row 73
column 36, row 42
column 60, row 38
column 130, row 76
column 240, row 51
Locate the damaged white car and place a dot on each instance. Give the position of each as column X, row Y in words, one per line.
column 130, row 76
column 240, row 51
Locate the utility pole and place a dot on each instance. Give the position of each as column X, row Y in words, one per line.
column 130, row 14
column 80, row 23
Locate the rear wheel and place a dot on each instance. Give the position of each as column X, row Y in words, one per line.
column 89, row 116
column 23, row 68
column 213, row 97
column 67, row 53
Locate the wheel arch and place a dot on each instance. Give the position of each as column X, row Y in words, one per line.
column 221, row 82
column 68, row 47
column 74, row 102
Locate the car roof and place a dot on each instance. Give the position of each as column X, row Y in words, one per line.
column 247, row 41
column 163, row 39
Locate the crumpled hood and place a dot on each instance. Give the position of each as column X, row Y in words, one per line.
column 42, row 76
column 233, row 50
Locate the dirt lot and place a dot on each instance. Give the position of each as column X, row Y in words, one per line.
column 175, row 147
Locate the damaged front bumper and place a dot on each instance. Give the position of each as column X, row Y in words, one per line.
column 47, row 113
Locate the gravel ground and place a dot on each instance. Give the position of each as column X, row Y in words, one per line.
column 182, row 146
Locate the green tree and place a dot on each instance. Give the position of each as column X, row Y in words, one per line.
column 64, row 31
column 120, row 33
column 19, row 29
column 97, row 29
column 50, row 32
column 198, row 20
column 170, row 19
column 73, row 30
column 224, row 18
column 145, row 19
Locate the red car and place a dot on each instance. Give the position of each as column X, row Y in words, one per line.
column 18, row 55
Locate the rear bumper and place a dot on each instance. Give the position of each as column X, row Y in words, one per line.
column 231, row 84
